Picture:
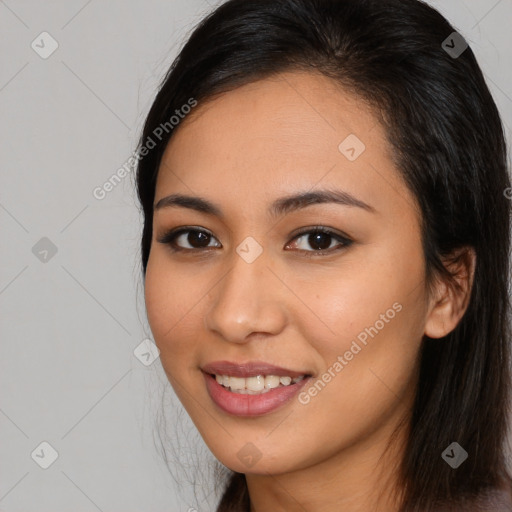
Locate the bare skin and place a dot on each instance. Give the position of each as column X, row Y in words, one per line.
column 242, row 151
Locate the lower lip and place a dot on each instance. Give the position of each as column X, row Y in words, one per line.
column 251, row 405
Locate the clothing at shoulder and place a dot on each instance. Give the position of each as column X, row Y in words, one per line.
column 497, row 500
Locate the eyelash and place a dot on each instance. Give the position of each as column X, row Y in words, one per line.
column 169, row 239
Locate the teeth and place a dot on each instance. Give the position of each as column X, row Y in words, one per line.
column 255, row 385
column 271, row 381
column 237, row 383
column 285, row 381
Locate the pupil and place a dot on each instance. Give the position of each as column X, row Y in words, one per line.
column 198, row 238
column 315, row 239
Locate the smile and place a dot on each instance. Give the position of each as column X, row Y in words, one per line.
column 251, row 389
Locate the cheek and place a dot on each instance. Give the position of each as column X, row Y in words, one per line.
column 362, row 295
column 172, row 297
column 367, row 373
column 160, row 299
column 367, row 329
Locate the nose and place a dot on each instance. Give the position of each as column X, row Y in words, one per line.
column 248, row 300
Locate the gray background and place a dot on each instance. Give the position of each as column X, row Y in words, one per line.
column 71, row 320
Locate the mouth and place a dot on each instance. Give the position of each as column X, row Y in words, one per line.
column 251, row 389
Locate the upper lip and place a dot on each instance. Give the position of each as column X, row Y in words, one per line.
column 249, row 369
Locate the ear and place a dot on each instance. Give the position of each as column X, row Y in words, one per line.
column 450, row 300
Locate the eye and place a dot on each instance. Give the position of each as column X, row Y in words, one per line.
column 195, row 238
column 321, row 240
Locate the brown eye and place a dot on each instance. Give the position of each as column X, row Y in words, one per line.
column 195, row 238
column 198, row 238
column 320, row 240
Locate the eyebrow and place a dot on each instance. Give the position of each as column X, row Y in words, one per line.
column 279, row 207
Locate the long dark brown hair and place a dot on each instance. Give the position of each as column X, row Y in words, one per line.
column 450, row 148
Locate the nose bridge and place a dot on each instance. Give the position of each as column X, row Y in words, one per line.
column 246, row 299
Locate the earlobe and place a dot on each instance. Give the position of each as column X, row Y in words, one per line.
column 451, row 298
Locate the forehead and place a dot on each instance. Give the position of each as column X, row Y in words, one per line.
column 273, row 136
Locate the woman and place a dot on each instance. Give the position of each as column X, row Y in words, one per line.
column 370, row 372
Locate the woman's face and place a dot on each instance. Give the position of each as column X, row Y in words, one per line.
column 255, row 295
